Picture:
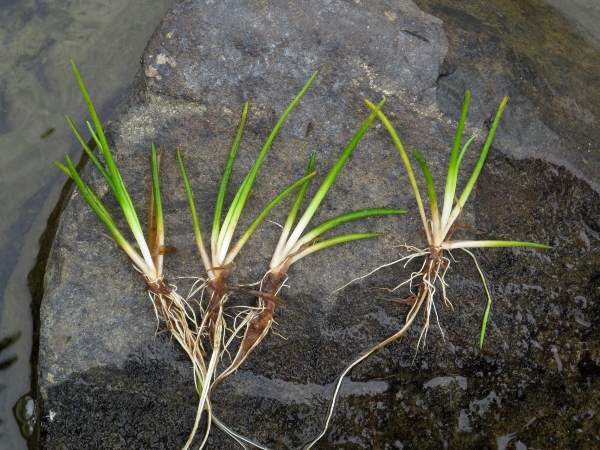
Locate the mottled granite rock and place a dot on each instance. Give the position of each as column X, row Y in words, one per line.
column 107, row 381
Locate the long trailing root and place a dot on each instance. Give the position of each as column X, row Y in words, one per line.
column 238, row 438
column 213, row 326
column 432, row 272
column 228, row 336
column 178, row 316
column 405, row 259
column 255, row 322
column 180, row 321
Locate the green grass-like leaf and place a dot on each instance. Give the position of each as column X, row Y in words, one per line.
column 156, row 226
column 192, row 204
column 439, row 227
column 343, row 218
column 119, row 190
column 225, row 182
column 291, row 249
column 287, row 227
column 99, row 130
column 113, row 178
column 326, row 185
column 100, row 210
column 430, row 187
column 407, row 165
column 158, row 212
column 238, row 246
column 92, row 156
column 454, row 163
column 449, row 245
column 241, row 197
column 477, row 170
column 331, row 242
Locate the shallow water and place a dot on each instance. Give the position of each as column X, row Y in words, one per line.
column 583, row 15
column 37, row 89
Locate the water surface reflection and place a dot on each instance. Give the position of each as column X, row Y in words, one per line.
column 39, row 38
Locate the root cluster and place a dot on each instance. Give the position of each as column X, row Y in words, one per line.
column 210, row 333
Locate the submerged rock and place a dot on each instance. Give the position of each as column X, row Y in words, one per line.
column 107, row 380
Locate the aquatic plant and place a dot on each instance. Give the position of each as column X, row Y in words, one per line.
column 293, row 246
column 439, row 228
column 218, row 263
column 252, row 323
column 206, row 337
column 170, row 307
column 176, row 312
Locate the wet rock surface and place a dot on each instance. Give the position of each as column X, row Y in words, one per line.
column 106, row 380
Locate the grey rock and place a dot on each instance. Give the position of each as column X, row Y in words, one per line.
column 108, row 380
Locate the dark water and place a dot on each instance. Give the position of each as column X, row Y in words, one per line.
column 583, row 15
column 37, row 89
